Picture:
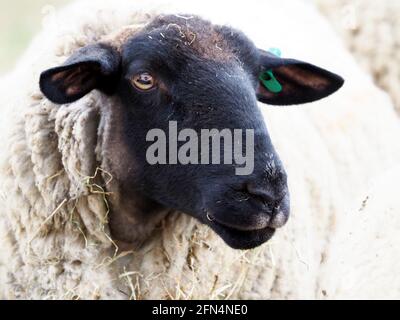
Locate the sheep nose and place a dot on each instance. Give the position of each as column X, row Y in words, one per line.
column 268, row 195
column 275, row 200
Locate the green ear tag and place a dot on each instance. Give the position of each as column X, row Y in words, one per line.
column 268, row 79
column 275, row 51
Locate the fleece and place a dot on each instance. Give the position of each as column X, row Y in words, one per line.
column 54, row 181
column 371, row 31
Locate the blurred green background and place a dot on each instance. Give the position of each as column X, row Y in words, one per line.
column 19, row 21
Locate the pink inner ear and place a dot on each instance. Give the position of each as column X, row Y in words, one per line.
column 84, row 83
column 58, row 76
column 301, row 76
column 294, row 79
column 67, row 77
column 76, row 80
column 72, row 91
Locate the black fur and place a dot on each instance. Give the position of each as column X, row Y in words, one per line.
column 208, row 78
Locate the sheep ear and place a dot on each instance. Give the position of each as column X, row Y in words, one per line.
column 92, row 67
column 289, row 81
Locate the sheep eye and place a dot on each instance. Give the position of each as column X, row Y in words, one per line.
column 143, row 81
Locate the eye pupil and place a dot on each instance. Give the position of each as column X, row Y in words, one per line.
column 143, row 81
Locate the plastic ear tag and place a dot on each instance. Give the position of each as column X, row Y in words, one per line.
column 275, row 51
column 268, row 79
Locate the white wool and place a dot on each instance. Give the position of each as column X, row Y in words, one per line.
column 371, row 30
column 371, row 231
column 53, row 227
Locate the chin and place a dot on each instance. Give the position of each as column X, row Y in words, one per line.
column 242, row 239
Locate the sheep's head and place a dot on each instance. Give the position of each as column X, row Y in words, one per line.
column 185, row 73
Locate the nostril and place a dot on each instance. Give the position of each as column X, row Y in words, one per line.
column 267, row 195
column 259, row 192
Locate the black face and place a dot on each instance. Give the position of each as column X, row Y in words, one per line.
column 200, row 76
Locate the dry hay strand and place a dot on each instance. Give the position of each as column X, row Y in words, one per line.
column 96, row 188
column 135, row 288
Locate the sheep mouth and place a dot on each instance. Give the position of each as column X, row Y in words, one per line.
column 241, row 237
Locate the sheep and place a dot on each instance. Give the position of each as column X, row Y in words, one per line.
column 55, row 189
column 375, row 217
column 218, row 76
column 371, row 31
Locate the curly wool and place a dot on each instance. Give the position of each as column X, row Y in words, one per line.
column 53, row 223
